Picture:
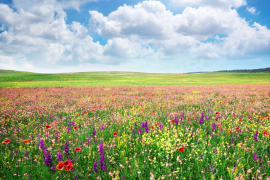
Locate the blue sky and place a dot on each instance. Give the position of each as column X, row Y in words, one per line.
column 167, row 36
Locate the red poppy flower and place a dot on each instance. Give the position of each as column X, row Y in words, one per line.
column 85, row 112
column 69, row 166
column 55, row 133
column 188, row 118
column 94, row 107
column 217, row 112
column 75, row 127
column 60, row 166
column 152, row 127
column 173, row 121
column 265, row 132
column 237, row 128
column 203, row 111
column 219, row 125
column 47, row 126
column 93, row 110
column 156, row 124
column 100, row 106
column 77, row 149
column 79, row 114
column 26, row 141
column 7, row 141
column 120, row 123
column 115, row 133
column 199, row 107
column 67, row 162
column 240, row 119
column 181, row 149
column 229, row 131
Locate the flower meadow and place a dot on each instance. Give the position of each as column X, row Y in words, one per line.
column 135, row 132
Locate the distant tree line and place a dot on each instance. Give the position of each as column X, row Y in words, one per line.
column 261, row 70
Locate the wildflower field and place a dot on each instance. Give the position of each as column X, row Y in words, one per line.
column 143, row 132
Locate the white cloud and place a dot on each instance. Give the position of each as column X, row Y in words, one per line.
column 146, row 34
column 205, row 22
column 23, row 63
column 248, row 42
column 221, row 4
column 7, row 62
column 126, row 21
column 79, row 29
column 252, row 10
column 58, row 5
column 160, row 23
column 122, row 48
column 182, row 34
column 28, row 31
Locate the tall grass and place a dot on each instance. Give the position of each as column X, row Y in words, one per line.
column 23, row 79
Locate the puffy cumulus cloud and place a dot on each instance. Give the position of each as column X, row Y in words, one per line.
column 252, row 10
column 87, row 50
column 150, row 23
column 122, row 48
column 248, row 42
column 221, row 4
column 7, row 62
column 182, row 35
column 145, row 34
column 58, row 5
column 148, row 19
column 205, row 22
column 176, row 46
column 206, row 51
column 47, row 40
column 24, row 23
column 79, row 30
column 116, row 51
column 57, row 54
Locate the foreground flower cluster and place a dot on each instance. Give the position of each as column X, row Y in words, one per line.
column 155, row 132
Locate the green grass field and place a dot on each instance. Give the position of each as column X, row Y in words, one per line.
column 16, row 79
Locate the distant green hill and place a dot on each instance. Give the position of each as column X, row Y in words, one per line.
column 17, row 79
